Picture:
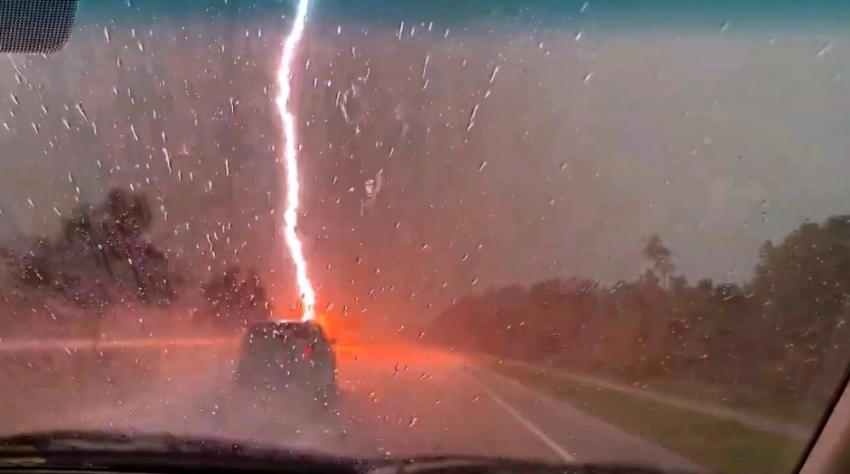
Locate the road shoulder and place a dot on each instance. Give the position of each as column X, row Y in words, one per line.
column 592, row 439
column 716, row 443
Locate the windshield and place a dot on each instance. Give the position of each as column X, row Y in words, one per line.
column 566, row 231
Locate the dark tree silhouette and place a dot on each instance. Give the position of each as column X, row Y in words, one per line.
column 123, row 219
column 34, row 268
column 80, row 228
column 790, row 318
column 109, row 236
column 660, row 256
column 233, row 300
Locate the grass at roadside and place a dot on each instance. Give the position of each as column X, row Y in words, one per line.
column 720, row 445
column 804, row 414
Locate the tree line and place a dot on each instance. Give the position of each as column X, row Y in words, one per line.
column 102, row 257
column 783, row 331
column 100, row 254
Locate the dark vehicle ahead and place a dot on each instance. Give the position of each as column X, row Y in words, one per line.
column 288, row 355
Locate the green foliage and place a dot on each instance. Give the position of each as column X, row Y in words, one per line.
column 781, row 333
column 723, row 446
column 96, row 245
column 233, row 300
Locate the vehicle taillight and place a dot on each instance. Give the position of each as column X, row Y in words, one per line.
column 308, row 351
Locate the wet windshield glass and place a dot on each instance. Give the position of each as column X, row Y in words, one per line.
column 568, row 231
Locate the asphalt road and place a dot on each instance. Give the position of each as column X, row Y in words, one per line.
column 394, row 402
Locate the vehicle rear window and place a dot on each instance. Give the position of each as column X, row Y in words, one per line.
column 299, row 331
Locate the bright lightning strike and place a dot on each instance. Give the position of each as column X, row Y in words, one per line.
column 290, row 162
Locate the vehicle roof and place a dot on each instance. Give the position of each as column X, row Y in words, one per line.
column 295, row 328
column 282, row 324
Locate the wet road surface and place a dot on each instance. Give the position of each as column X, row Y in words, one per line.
column 393, row 402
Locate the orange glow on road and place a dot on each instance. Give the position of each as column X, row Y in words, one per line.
column 290, row 163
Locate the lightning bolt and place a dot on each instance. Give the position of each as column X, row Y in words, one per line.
column 290, row 162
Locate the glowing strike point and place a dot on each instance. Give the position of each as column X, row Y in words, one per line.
column 290, row 154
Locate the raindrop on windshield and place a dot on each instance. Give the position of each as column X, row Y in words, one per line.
column 82, row 112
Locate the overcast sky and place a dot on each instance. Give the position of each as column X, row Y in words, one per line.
column 583, row 143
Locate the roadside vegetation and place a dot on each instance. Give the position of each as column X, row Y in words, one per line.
column 100, row 259
column 719, row 445
column 102, row 267
column 774, row 345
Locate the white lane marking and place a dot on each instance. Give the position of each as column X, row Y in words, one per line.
column 567, row 457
